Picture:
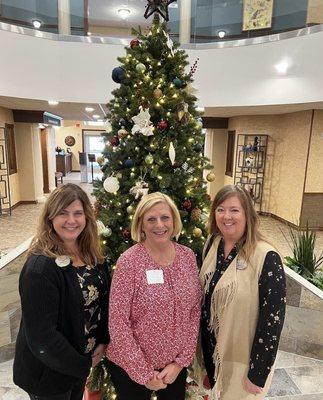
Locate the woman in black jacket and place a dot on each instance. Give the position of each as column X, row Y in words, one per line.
column 64, row 289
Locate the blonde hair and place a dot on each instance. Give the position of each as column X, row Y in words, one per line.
column 251, row 234
column 145, row 204
column 47, row 242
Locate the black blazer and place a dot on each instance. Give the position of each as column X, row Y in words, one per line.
column 50, row 344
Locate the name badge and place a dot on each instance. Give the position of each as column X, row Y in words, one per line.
column 155, row 276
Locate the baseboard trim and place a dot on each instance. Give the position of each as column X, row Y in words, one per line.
column 21, row 202
column 280, row 219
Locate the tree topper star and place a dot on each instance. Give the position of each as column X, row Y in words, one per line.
column 158, row 6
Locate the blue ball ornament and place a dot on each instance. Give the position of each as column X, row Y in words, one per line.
column 117, row 74
column 198, row 147
column 177, row 82
column 128, row 163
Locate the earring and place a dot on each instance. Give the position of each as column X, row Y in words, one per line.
column 143, row 236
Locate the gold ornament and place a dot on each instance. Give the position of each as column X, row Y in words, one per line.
column 196, row 214
column 197, row 232
column 122, row 132
column 149, row 159
column 157, row 93
column 100, row 160
column 130, row 210
column 210, row 177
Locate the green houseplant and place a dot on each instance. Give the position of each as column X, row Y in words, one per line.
column 304, row 260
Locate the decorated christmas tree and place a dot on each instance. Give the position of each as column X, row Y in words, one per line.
column 154, row 141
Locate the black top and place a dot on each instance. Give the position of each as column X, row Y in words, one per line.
column 94, row 289
column 50, row 344
column 272, row 300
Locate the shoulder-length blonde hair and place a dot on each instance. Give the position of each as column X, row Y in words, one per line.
column 48, row 243
column 144, row 205
column 251, row 234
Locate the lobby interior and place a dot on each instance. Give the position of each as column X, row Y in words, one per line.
column 265, row 83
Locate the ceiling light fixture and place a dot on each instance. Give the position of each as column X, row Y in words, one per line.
column 89, row 109
column 96, row 116
column 221, row 34
column 124, row 13
column 36, row 23
column 53, row 102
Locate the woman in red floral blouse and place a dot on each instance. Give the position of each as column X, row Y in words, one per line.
column 154, row 307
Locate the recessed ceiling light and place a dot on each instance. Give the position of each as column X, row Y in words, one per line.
column 89, row 109
column 96, row 116
column 124, row 12
column 221, row 34
column 53, row 102
column 36, row 23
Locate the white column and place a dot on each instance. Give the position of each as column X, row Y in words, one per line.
column 64, row 17
column 185, row 22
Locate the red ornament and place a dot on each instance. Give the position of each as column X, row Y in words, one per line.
column 114, row 141
column 162, row 125
column 126, row 234
column 134, row 43
column 187, row 204
column 206, row 383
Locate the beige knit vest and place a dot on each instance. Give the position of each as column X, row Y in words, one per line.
column 234, row 316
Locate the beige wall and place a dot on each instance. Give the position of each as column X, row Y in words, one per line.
column 216, row 150
column 30, row 162
column 315, row 12
column 6, row 117
column 314, row 177
column 70, row 129
column 109, row 31
column 286, row 158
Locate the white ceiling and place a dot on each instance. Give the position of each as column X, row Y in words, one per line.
column 105, row 13
column 68, row 111
column 76, row 111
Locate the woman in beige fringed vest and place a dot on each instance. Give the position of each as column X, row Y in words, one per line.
column 244, row 300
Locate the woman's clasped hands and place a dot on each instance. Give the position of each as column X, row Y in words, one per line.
column 165, row 377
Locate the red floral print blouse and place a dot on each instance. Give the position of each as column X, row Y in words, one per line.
column 153, row 324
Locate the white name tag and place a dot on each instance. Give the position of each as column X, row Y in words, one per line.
column 155, row 276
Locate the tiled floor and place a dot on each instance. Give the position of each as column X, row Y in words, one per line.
column 295, row 378
column 21, row 225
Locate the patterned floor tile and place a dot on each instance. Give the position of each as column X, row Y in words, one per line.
column 282, row 384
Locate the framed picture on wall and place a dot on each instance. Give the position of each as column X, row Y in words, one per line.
column 69, row 141
column 257, row 14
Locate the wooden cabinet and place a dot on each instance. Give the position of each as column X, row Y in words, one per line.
column 64, row 163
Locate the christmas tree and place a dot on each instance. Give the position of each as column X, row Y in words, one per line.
column 154, row 141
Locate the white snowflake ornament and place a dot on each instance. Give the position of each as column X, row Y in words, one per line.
column 142, row 123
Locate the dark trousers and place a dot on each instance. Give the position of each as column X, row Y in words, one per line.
column 208, row 350
column 127, row 389
column 76, row 393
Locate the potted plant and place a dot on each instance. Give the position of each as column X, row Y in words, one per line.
column 304, row 260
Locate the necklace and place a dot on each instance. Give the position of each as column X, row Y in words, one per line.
column 162, row 258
